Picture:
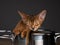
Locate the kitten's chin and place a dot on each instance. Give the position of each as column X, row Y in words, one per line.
column 34, row 30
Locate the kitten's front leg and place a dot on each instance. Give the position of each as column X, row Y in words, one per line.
column 23, row 34
column 27, row 37
column 16, row 32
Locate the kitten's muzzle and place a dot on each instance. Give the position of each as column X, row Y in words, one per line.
column 32, row 28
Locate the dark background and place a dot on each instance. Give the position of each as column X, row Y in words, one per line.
column 9, row 16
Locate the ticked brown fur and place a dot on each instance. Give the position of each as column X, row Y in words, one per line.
column 28, row 23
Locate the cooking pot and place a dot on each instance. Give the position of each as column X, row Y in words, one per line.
column 43, row 37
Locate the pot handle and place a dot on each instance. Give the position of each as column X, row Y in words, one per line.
column 57, row 35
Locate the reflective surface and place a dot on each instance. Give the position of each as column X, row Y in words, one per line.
column 43, row 37
column 8, row 42
column 37, row 38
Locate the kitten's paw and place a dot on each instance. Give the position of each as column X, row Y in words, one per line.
column 16, row 32
column 23, row 35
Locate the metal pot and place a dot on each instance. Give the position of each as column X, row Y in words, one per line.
column 43, row 37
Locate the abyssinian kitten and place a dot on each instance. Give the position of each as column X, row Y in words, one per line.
column 28, row 23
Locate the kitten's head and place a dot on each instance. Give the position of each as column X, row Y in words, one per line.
column 33, row 21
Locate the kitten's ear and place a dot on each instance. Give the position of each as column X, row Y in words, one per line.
column 22, row 14
column 42, row 15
